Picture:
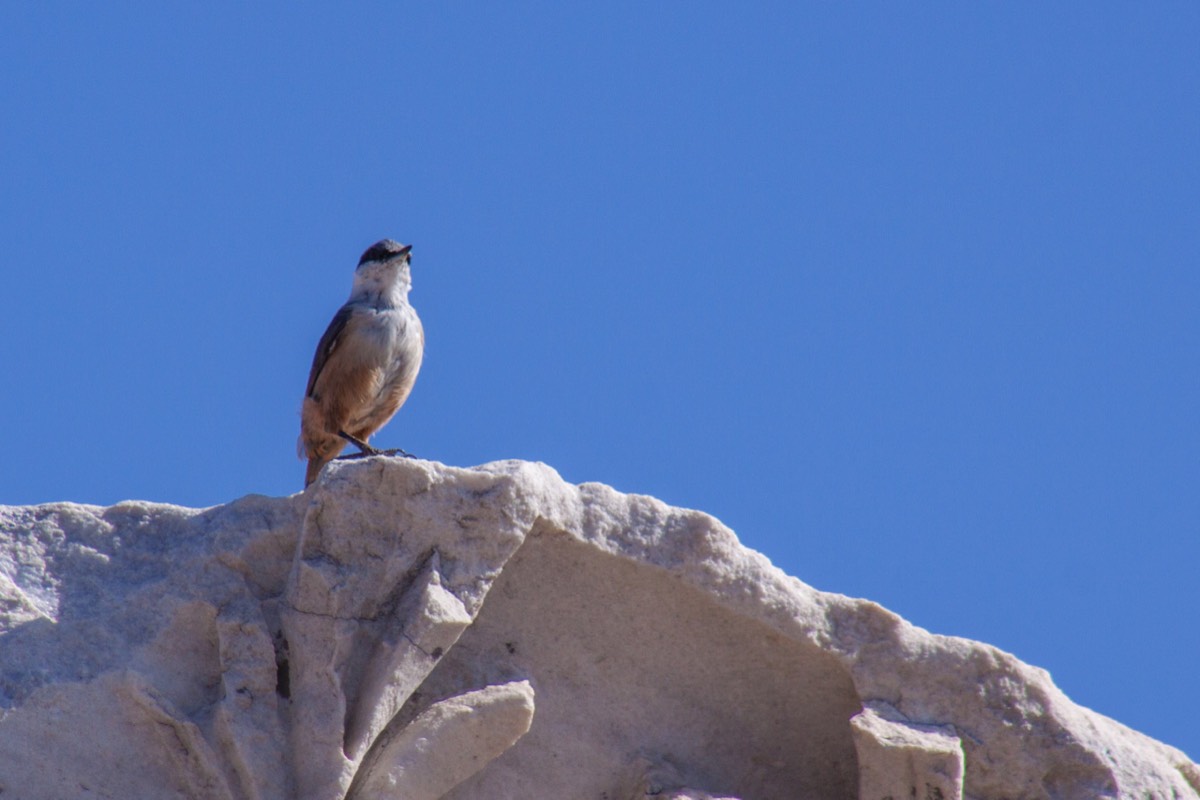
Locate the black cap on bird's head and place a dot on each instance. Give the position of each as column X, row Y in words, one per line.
column 385, row 250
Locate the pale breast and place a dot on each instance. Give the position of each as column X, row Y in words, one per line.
column 393, row 342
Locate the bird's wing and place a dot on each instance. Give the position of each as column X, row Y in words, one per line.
column 329, row 342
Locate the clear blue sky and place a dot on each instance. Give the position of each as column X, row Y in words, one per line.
column 905, row 294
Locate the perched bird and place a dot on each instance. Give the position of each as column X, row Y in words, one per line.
column 366, row 363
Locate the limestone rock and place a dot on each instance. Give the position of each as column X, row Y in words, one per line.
column 662, row 781
column 446, row 744
column 407, row 629
column 899, row 759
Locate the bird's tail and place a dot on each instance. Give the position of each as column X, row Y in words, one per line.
column 314, row 469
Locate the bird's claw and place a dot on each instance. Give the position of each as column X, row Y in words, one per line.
column 395, row 451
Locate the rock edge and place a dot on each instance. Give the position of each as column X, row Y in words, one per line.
column 408, row 629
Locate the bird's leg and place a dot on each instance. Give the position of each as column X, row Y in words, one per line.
column 364, row 448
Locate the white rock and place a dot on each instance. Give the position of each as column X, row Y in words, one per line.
column 662, row 781
column 427, row 623
column 446, row 744
column 388, row 629
column 899, row 759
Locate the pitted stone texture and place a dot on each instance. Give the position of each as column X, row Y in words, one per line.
column 494, row 632
column 897, row 758
column 446, row 744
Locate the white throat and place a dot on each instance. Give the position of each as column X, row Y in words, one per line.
column 382, row 285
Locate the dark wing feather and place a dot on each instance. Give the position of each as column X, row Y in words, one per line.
column 328, row 342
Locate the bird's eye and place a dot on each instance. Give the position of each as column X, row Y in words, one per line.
column 374, row 253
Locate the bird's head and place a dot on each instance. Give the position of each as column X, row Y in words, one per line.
column 384, row 270
column 385, row 251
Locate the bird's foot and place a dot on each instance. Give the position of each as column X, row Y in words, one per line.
column 365, row 449
column 395, row 451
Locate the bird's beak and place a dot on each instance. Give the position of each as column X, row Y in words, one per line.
column 404, row 251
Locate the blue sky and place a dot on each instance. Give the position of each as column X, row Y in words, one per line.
column 905, row 294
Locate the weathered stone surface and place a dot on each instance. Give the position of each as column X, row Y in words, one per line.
column 427, row 623
column 662, row 781
column 446, row 744
column 413, row 630
column 898, row 759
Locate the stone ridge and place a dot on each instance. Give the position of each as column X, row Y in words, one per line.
column 404, row 629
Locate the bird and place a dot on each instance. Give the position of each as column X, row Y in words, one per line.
column 366, row 362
